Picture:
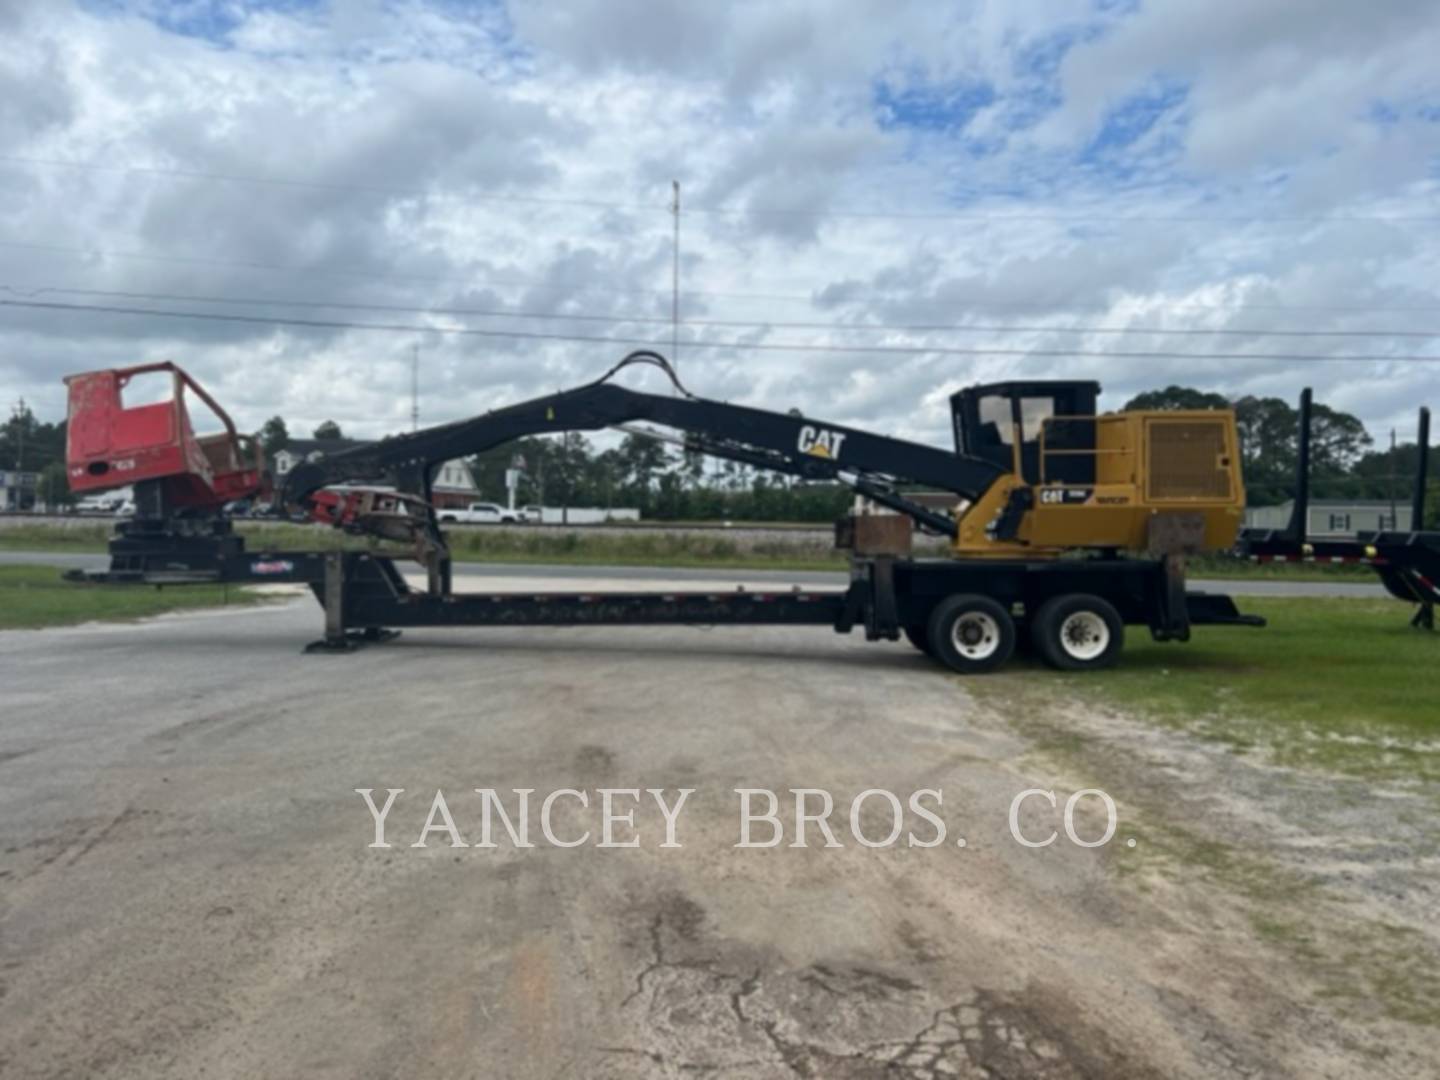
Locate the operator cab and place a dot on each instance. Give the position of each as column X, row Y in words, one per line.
column 993, row 420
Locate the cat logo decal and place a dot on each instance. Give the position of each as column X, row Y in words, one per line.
column 821, row 442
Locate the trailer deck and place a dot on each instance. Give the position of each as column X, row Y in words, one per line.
column 366, row 598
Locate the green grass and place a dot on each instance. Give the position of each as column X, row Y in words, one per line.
column 703, row 549
column 35, row 596
column 1229, row 568
column 1339, row 684
column 617, row 545
column 559, row 546
column 1343, row 687
column 713, row 523
column 86, row 538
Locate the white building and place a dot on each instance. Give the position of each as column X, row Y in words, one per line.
column 1336, row 518
column 17, row 490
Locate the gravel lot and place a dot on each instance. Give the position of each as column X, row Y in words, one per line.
column 186, row 888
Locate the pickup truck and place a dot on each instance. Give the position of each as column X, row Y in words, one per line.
column 480, row 513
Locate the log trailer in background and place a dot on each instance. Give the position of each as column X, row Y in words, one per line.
column 1067, row 525
column 1408, row 563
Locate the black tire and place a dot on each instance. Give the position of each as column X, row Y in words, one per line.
column 447, row 519
column 1078, row 632
column 918, row 636
column 971, row 634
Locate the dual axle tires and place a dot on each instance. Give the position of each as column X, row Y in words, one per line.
column 972, row 634
column 1078, row 632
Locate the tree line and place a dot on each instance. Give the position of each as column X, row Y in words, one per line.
column 669, row 483
column 663, row 484
column 28, row 444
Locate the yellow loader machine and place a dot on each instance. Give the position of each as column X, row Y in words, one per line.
column 1066, row 526
column 1159, row 482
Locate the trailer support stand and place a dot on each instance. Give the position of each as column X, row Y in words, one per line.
column 339, row 639
column 882, row 615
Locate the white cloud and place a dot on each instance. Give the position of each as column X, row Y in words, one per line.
column 1156, row 167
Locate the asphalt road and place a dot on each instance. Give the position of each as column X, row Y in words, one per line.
column 1241, row 587
column 186, row 886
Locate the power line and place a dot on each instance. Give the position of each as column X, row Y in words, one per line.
column 675, row 281
column 810, row 298
column 991, row 218
column 194, row 260
column 793, row 347
column 988, row 217
column 319, row 185
column 714, row 323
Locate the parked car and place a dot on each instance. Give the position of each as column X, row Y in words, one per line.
column 480, row 513
column 119, row 501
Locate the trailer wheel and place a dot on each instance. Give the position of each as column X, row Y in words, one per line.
column 1078, row 632
column 971, row 634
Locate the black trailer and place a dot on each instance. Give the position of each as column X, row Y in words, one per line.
column 968, row 614
column 1407, row 563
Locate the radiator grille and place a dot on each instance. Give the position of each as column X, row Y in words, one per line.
column 1188, row 460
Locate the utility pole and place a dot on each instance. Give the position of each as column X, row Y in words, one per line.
column 675, row 279
column 20, row 437
column 415, row 388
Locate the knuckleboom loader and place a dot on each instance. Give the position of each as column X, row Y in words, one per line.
column 1065, row 525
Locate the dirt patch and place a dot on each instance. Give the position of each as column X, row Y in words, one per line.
column 1332, row 881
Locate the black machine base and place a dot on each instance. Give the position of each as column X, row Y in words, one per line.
column 366, row 599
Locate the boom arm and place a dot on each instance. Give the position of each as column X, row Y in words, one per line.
column 800, row 446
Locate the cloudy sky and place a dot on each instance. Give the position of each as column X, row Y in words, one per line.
column 985, row 190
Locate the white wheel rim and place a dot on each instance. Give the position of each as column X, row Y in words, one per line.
column 975, row 635
column 1084, row 635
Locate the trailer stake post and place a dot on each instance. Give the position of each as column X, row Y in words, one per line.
column 1422, row 472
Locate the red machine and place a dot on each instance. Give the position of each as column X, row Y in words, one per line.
column 110, row 444
column 153, row 446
